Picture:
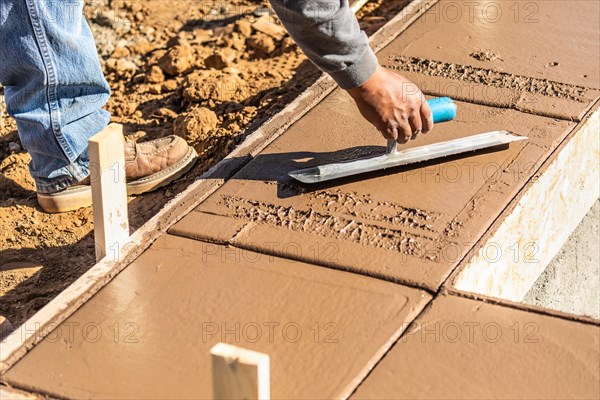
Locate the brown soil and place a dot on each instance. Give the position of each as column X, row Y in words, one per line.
column 210, row 74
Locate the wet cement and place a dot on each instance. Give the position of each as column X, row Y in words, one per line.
column 486, row 76
column 465, row 349
column 148, row 333
column 505, row 54
column 409, row 225
column 414, row 224
column 548, row 40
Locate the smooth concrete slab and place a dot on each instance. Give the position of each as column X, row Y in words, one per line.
column 410, row 224
column 538, row 57
column 147, row 334
column 466, row 349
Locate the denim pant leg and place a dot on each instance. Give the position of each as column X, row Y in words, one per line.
column 53, row 85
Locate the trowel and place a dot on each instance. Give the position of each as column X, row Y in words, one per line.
column 443, row 110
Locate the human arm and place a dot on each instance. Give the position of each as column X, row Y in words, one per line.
column 328, row 33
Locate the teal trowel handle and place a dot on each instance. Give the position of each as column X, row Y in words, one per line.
column 443, row 109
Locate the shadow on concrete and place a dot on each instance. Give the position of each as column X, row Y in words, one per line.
column 275, row 167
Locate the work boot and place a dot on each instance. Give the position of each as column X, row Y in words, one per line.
column 148, row 166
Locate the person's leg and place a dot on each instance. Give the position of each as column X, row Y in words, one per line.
column 53, row 85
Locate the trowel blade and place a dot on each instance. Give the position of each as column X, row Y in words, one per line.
column 328, row 172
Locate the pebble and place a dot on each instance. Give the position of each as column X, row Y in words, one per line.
column 121, row 66
column 170, row 85
column 155, row 75
column 196, row 124
column 155, row 89
column 262, row 43
column 261, row 11
column 220, row 59
column 267, row 27
column 216, row 86
column 165, row 112
column 176, row 60
column 202, row 36
column 244, row 28
column 120, row 52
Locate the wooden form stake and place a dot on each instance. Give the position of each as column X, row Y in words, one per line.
column 239, row 373
column 109, row 193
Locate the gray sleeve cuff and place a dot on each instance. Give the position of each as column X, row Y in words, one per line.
column 357, row 73
column 329, row 34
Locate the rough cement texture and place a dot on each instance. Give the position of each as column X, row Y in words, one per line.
column 409, row 224
column 554, row 41
column 475, row 52
column 571, row 282
column 466, row 349
column 413, row 225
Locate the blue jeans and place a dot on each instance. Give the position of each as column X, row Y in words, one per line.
column 53, row 85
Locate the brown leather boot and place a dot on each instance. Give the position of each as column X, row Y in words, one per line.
column 153, row 164
column 148, row 166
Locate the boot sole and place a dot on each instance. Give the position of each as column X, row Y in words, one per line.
column 75, row 197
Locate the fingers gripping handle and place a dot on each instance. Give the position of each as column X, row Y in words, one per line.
column 443, row 109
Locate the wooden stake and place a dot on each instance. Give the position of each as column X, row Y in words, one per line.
column 109, row 193
column 239, row 373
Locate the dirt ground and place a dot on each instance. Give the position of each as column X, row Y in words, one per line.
column 211, row 73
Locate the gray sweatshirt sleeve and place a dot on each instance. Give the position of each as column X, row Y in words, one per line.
column 328, row 33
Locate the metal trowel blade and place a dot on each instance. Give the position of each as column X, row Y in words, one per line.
column 329, row 172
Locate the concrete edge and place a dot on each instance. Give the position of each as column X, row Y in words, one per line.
column 449, row 291
column 518, row 232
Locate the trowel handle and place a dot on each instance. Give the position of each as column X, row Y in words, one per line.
column 443, row 110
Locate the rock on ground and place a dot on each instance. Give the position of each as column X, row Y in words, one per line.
column 195, row 125
column 215, row 85
column 176, row 60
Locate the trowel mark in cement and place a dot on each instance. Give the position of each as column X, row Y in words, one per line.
column 364, row 207
column 488, row 77
column 336, row 227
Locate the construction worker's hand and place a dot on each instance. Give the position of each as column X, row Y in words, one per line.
column 394, row 105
